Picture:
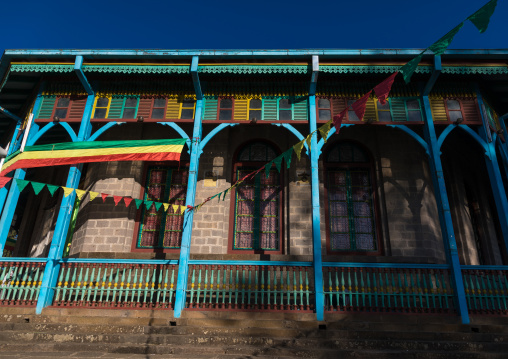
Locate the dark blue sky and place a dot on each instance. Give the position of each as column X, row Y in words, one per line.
column 264, row 24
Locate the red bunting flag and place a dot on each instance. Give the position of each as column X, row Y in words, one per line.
column 127, row 201
column 382, row 90
column 360, row 105
column 117, row 199
column 104, row 195
column 337, row 120
column 4, row 181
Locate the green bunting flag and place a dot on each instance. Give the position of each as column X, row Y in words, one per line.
column 287, row 157
column 37, row 186
column 138, row 202
column 442, row 44
column 481, row 18
column 52, row 189
column 408, row 69
column 298, row 149
column 157, row 205
column 325, row 129
column 267, row 168
column 148, row 205
column 278, row 162
column 21, row 184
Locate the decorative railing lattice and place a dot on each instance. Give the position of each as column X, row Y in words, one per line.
column 20, row 282
column 250, row 287
column 116, row 285
column 486, row 289
column 391, row 288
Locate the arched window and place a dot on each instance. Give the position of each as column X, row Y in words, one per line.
column 257, row 206
column 351, row 219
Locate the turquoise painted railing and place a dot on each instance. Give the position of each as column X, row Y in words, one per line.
column 116, row 284
column 486, row 289
column 388, row 288
column 20, row 281
column 259, row 286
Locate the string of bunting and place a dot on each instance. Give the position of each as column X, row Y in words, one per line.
column 480, row 20
column 38, row 187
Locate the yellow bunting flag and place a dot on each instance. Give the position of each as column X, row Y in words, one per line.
column 183, row 209
column 176, row 208
column 323, row 130
column 67, row 191
column 298, row 148
column 166, row 206
column 80, row 193
column 93, row 195
column 308, row 139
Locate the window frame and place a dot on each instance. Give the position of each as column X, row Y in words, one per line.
column 139, row 212
column 327, row 166
column 164, row 109
column 136, row 108
column 187, row 108
column 219, row 100
column 255, row 165
column 261, row 109
column 55, row 108
column 109, row 97
column 320, row 108
column 459, row 100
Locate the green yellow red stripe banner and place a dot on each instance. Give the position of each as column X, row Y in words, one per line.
column 100, row 151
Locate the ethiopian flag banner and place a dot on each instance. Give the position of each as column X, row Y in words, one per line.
column 99, row 151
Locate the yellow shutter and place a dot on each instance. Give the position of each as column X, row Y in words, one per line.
column 438, row 109
column 241, row 110
column 370, row 110
column 173, row 109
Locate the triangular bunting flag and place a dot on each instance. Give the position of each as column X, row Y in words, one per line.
column 176, row 208
column 325, row 129
column 481, row 18
column 127, row 201
column 117, row 199
column 93, row 195
column 278, row 162
column 67, row 191
column 182, row 209
column 104, row 196
column 52, row 189
column 308, row 140
column 4, row 181
column 138, row 202
column 148, row 205
column 225, row 193
column 80, row 193
column 382, row 90
column 157, row 205
column 298, row 149
column 268, row 166
column 37, row 186
column 360, row 105
column 337, row 120
column 21, row 184
column 166, row 206
column 287, row 157
column 408, row 69
column 442, row 44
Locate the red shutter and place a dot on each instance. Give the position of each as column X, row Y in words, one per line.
column 144, row 108
column 77, row 107
column 338, row 105
column 470, row 110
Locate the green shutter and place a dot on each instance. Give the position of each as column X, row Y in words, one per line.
column 47, row 105
column 398, row 109
column 115, row 108
column 210, row 112
column 269, row 109
column 300, row 111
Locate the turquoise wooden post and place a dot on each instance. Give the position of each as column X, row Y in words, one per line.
column 13, row 193
column 52, row 269
column 496, row 181
column 5, row 190
column 183, row 264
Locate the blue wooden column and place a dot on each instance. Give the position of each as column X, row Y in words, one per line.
column 9, row 195
column 5, row 190
column 443, row 206
column 317, row 260
column 65, row 213
column 494, row 172
column 183, row 264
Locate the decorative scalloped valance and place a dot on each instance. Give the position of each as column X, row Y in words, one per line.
column 138, row 69
column 472, row 70
column 42, row 67
column 254, row 69
column 368, row 69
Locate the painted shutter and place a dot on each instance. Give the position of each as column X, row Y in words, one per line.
column 144, row 107
column 438, row 109
column 338, row 105
column 241, row 110
column 77, row 107
column 398, row 109
column 115, row 107
column 470, row 110
column 47, row 105
column 269, row 109
column 370, row 110
column 300, row 111
column 210, row 112
column 172, row 109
